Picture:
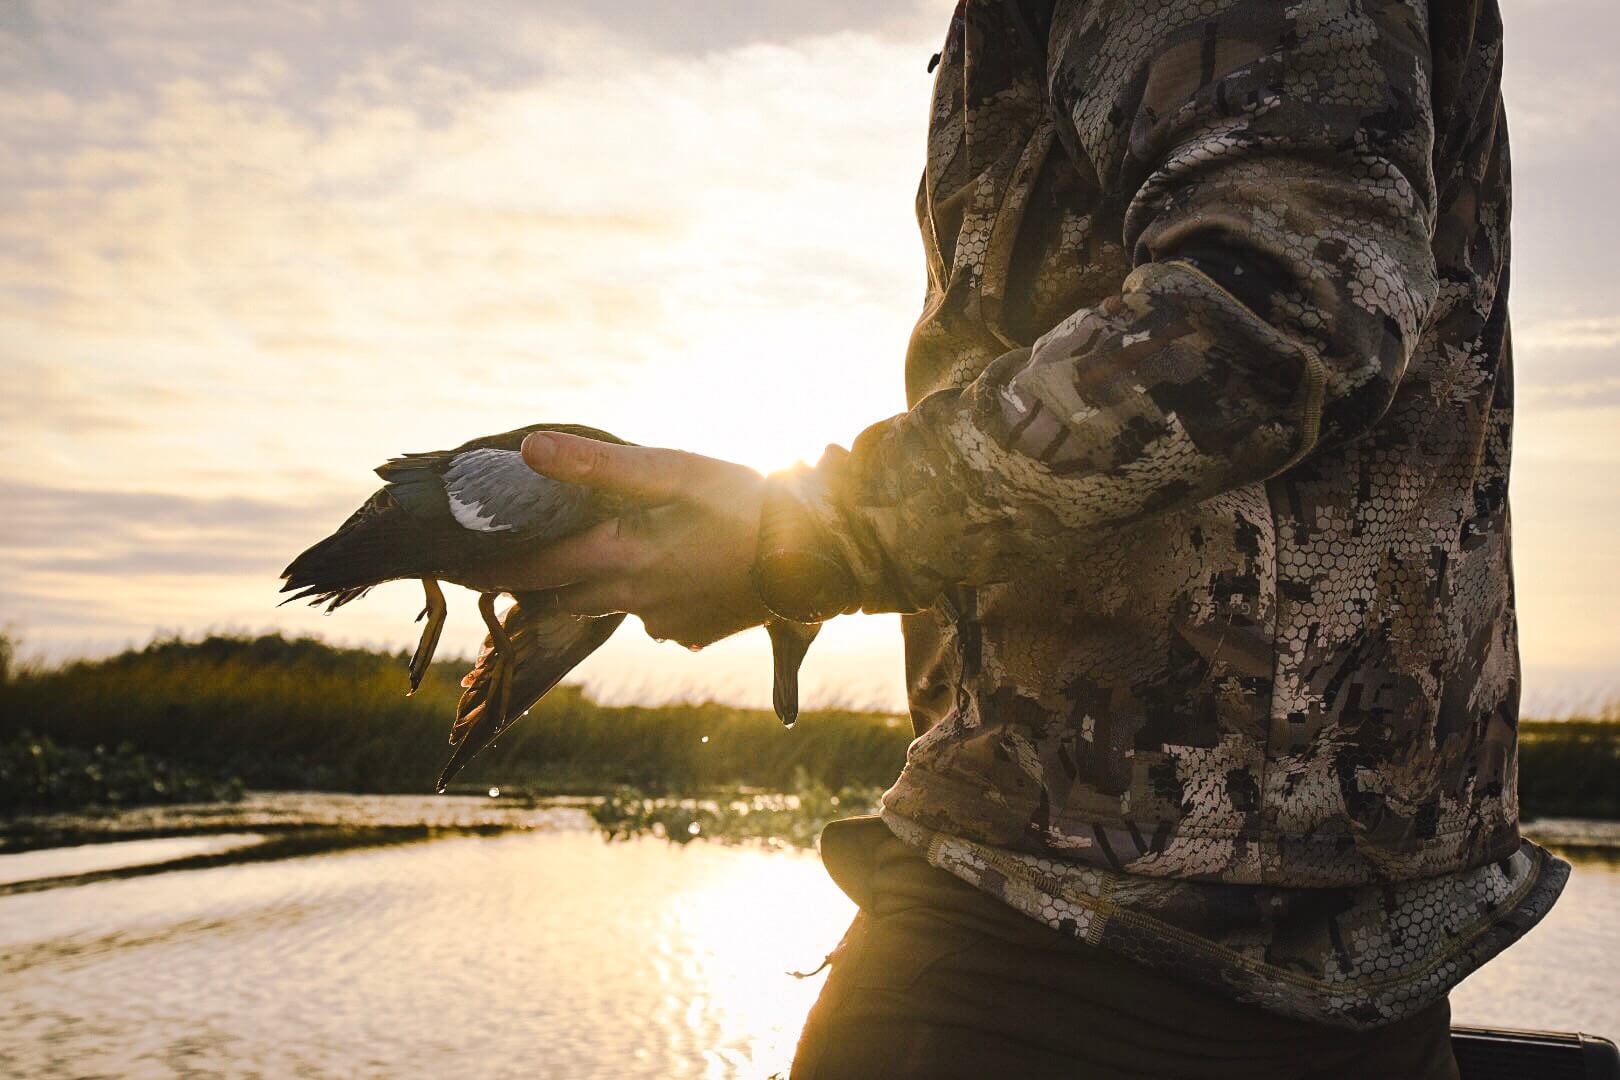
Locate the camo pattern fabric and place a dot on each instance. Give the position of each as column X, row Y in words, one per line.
column 1356, row 957
column 1198, row 516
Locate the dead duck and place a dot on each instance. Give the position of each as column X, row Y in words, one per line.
column 444, row 515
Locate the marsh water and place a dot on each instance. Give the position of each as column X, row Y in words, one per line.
column 540, row 952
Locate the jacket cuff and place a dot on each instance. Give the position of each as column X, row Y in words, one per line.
column 800, row 572
column 815, row 542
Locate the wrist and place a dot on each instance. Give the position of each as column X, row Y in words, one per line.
column 797, row 575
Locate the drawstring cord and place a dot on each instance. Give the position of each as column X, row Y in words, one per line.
column 826, row 961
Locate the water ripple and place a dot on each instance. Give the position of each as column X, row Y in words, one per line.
column 543, row 953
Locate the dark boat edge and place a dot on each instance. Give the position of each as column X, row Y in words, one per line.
column 1512, row 1054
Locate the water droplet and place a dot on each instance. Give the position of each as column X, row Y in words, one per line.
column 494, row 792
column 693, row 829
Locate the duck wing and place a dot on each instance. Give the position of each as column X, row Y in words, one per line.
column 381, row 541
column 546, row 644
column 443, row 515
column 494, row 495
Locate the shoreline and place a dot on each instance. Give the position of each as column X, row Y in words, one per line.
column 286, row 825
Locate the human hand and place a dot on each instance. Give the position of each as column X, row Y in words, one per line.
column 680, row 560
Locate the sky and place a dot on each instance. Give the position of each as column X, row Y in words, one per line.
column 250, row 251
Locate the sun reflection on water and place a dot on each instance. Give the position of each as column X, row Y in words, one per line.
column 543, row 953
column 547, row 954
column 745, row 927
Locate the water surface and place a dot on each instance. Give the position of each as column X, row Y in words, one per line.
column 540, row 953
column 91, row 858
column 530, row 954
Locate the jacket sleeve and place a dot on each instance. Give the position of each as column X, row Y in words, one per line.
column 1270, row 166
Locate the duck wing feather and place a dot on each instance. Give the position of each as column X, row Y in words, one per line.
column 546, row 645
column 443, row 513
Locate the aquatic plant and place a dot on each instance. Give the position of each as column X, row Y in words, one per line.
column 297, row 713
column 789, row 818
column 37, row 774
column 286, row 713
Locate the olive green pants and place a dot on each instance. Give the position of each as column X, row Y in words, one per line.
column 936, row 979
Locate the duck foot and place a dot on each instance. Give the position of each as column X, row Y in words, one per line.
column 435, row 613
column 500, row 691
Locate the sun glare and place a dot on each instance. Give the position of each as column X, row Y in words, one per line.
column 746, row 948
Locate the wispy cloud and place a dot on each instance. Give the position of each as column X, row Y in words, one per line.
column 75, row 542
column 48, row 515
column 1599, row 332
column 1571, row 364
column 247, row 251
column 326, row 251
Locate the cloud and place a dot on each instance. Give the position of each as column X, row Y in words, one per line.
column 70, row 413
column 1554, row 50
column 324, row 269
column 114, row 535
column 1600, row 332
column 1569, row 363
column 1604, row 392
column 245, row 254
column 46, row 514
column 115, row 563
column 249, row 251
column 185, row 561
column 327, row 62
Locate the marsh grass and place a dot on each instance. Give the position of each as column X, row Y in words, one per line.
column 297, row 713
column 1571, row 768
column 281, row 713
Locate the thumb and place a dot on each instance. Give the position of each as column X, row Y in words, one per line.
column 637, row 472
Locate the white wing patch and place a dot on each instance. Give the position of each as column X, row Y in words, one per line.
column 495, row 491
column 472, row 515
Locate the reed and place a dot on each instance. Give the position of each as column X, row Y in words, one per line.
column 1571, row 768
column 297, row 713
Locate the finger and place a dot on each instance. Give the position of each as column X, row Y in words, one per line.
column 640, row 472
column 599, row 551
column 596, row 598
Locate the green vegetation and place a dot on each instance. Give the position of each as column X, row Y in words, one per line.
column 282, row 713
column 794, row 818
column 188, row 717
column 1571, row 768
column 38, row 775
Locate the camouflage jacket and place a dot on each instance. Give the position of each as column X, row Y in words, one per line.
column 1199, row 513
